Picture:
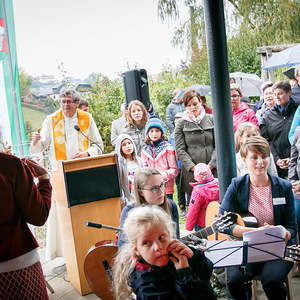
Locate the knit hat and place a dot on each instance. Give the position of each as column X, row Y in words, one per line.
column 201, row 170
column 155, row 123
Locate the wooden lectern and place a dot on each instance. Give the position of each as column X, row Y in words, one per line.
column 85, row 189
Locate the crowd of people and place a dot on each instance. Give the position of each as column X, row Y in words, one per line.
column 151, row 261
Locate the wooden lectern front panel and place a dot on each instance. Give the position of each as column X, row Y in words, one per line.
column 78, row 238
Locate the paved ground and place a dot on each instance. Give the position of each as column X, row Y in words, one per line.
column 56, row 276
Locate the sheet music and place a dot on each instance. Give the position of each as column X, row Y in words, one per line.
column 265, row 244
column 225, row 253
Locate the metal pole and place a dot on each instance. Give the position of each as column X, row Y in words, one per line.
column 13, row 91
column 218, row 65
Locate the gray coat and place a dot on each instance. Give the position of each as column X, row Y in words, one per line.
column 194, row 144
column 172, row 109
column 137, row 134
column 294, row 165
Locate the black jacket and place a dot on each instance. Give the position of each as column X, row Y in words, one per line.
column 167, row 283
column 275, row 127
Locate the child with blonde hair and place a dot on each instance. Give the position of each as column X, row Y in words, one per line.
column 153, row 266
column 244, row 131
column 205, row 190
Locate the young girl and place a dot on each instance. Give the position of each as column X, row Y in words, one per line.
column 129, row 163
column 244, row 131
column 153, row 266
column 149, row 189
column 205, row 190
column 137, row 118
column 160, row 154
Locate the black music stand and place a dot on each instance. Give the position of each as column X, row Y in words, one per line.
column 257, row 246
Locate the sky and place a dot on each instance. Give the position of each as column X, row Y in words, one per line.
column 102, row 36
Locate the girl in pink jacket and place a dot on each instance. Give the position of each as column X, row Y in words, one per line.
column 205, row 190
column 159, row 154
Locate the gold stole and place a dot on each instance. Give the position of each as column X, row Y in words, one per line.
column 59, row 137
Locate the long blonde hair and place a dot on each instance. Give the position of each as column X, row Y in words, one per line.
column 138, row 221
column 143, row 108
column 141, row 178
column 240, row 131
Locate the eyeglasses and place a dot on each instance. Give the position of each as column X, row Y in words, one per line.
column 235, row 96
column 67, row 101
column 155, row 188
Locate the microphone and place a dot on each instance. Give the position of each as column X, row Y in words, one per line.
column 98, row 225
column 77, row 128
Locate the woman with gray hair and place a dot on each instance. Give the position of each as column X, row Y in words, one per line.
column 268, row 98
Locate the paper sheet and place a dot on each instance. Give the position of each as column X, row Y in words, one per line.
column 265, row 244
column 225, row 253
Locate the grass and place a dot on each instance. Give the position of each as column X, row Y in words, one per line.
column 34, row 117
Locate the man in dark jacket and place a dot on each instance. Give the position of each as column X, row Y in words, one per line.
column 176, row 106
column 275, row 126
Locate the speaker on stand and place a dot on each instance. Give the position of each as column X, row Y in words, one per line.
column 136, row 86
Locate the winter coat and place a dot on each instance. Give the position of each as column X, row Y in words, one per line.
column 168, row 283
column 241, row 168
column 137, row 134
column 123, row 172
column 116, row 129
column 260, row 114
column 161, row 156
column 194, row 144
column 294, row 165
column 130, row 206
column 296, row 93
column 172, row 109
column 295, row 124
column 275, row 128
column 243, row 114
column 202, row 195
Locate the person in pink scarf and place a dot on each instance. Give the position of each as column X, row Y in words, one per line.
column 241, row 112
column 205, row 190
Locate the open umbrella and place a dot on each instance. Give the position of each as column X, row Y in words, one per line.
column 202, row 89
column 289, row 73
column 249, row 83
column 285, row 58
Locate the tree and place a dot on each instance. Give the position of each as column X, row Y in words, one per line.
column 25, row 83
column 105, row 100
column 271, row 21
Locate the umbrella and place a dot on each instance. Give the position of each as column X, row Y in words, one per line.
column 290, row 73
column 249, row 83
column 285, row 58
column 202, row 89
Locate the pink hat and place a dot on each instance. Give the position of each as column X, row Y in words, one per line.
column 202, row 170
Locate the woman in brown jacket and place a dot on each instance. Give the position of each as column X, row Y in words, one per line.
column 194, row 138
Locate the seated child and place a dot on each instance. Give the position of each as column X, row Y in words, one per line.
column 153, row 266
column 205, row 190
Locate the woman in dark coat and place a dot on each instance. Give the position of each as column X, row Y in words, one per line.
column 194, row 138
column 276, row 125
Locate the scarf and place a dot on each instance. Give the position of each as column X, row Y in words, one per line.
column 59, row 137
column 154, row 148
column 191, row 117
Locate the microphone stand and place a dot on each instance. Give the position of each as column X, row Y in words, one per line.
column 77, row 128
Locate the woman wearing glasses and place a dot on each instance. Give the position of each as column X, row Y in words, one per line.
column 149, row 189
column 240, row 111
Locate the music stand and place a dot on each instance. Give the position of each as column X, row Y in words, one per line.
column 257, row 246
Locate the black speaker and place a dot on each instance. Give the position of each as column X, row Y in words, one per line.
column 136, row 86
